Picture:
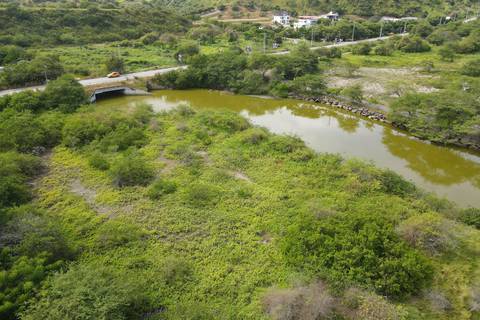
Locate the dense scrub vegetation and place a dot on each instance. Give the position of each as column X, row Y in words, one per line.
column 32, row 245
column 25, row 27
column 295, row 73
column 177, row 215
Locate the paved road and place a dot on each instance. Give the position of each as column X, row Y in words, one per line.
column 102, row 81
column 151, row 73
column 349, row 43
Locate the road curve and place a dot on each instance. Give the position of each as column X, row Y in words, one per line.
column 152, row 73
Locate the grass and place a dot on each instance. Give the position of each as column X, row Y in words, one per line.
column 89, row 60
column 444, row 75
column 230, row 237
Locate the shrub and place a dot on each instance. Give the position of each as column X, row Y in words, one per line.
column 114, row 63
column 99, row 161
column 123, row 137
column 286, row 144
column 254, row 136
column 15, row 170
column 312, row 302
column 446, row 53
column 429, row 232
column 309, row 85
column 362, row 49
column 373, row 307
column 354, row 93
column 65, row 94
column 175, row 270
column 161, row 187
column 81, row 129
column 116, row 294
column 224, row 121
column 383, row 50
column 413, row 44
column 471, row 217
column 20, row 131
column 200, row 194
column 131, row 170
column 362, row 249
column 471, row 68
column 118, row 232
column 393, row 183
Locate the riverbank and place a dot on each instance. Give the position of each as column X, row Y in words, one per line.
column 449, row 172
column 381, row 117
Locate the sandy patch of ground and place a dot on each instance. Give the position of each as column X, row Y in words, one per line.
column 381, row 83
column 89, row 195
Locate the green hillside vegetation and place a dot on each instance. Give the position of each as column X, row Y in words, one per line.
column 25, row 27
column 200, row 215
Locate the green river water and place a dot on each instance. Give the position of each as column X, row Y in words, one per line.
column 448, row 172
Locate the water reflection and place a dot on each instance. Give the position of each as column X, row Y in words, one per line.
column 448, row 172
column 435, row 164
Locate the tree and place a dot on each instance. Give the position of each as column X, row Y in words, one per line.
column 65, row 94
column 114, row 63
column 186, row 50
column 309, row 85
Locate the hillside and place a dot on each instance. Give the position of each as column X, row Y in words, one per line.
column 53, row 26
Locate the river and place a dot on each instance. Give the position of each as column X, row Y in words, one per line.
column 448, row 172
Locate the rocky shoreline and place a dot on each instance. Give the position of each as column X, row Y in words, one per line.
column 358, row 110
column 380, row 117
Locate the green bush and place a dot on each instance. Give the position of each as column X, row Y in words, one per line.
column 115, row 63
column 26, row 132
column 309, row 85
column 201, row 194
column 362, row 49
column 16, row 169
column 65, row 94
column 160, row 188
column 471, row 217
column 471, row 68
column 116, row 294
column 118, row 232
column 99, row 161
column 132, row 170
column 175, row 270
column 122, row 138
column 354, row 248
column 413, row 44
column 82, row 129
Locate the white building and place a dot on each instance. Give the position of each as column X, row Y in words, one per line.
column 305, row 21
column 308, row 21
column 281, row 18
column 330, row 16
column 393, row 19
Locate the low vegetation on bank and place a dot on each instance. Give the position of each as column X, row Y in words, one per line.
column 200, row 215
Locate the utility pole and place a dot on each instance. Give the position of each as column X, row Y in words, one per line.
column 45, row 73
column 353, row 32
column 381, row 30
column 264, row 42
column 405, row 27
column 311, row 40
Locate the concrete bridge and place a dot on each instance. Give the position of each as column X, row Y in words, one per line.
column 105, row 92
